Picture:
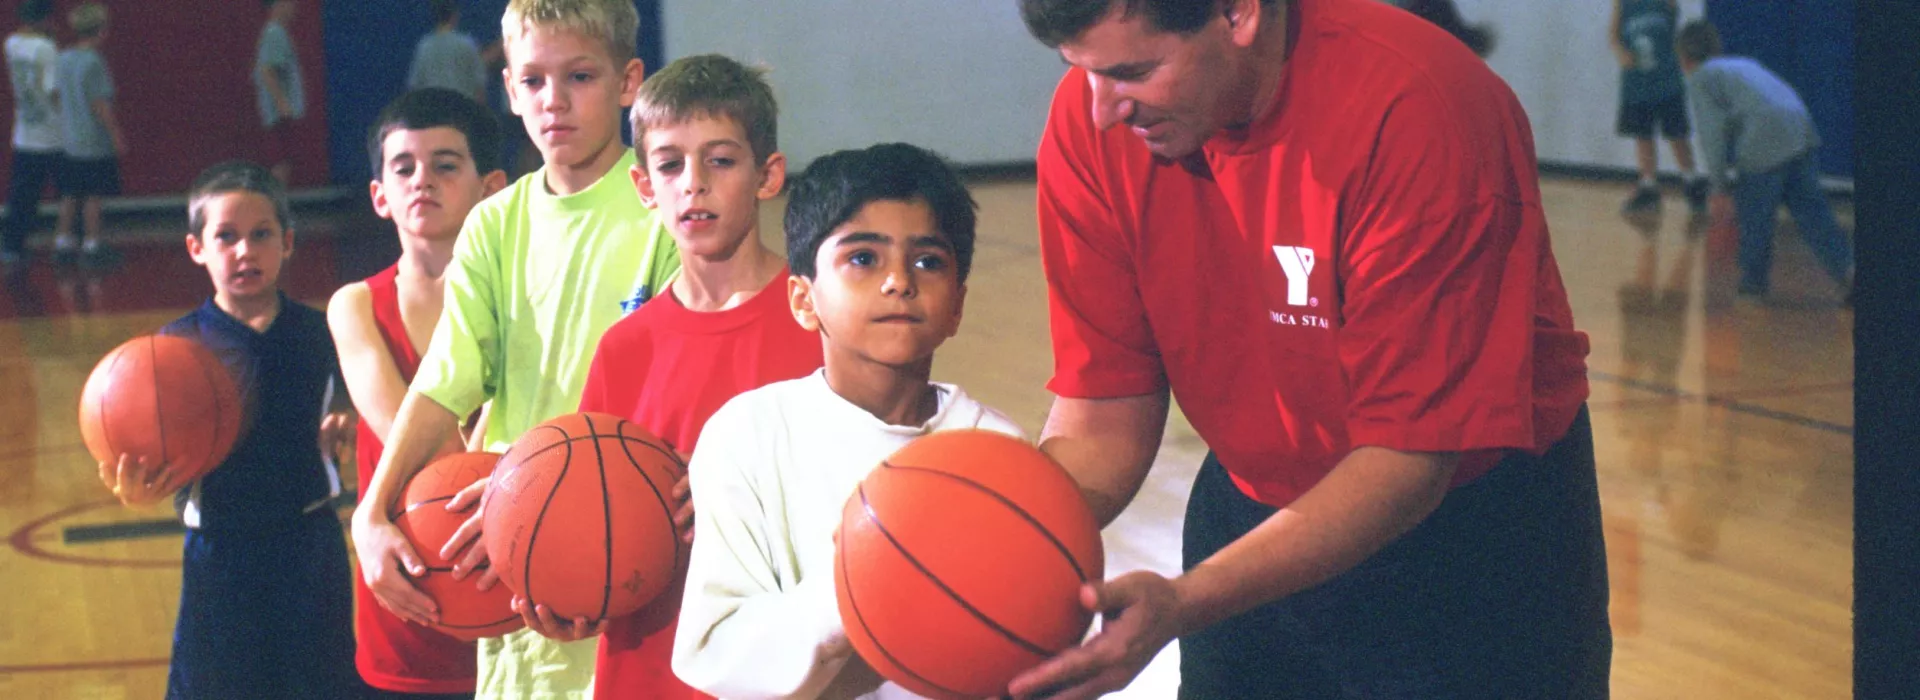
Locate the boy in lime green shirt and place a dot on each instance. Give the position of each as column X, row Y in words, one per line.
column 540, row 271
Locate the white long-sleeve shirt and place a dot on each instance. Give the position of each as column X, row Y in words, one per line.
column 774, row 469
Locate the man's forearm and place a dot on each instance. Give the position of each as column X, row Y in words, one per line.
column 422, row 430
column 1107, row 446
column 1371, row 498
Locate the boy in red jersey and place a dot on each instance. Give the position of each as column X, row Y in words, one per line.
column 704, row 129
column 435, row 155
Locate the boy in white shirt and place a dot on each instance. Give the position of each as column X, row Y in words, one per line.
column 879, row 241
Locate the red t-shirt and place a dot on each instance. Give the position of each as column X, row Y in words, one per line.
column 391, row 653
column 1367, row 264
column 668, row 369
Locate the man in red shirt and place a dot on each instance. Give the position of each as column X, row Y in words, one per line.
column 1319, row 228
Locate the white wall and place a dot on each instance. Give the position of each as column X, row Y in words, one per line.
column 964, row 79
column 1555, row 55
column 961, row 78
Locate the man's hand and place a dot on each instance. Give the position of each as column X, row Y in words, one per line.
column 1142, row 612
column 386, row 561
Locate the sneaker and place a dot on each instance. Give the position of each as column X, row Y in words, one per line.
column 1644, row 199
column 1697, row 191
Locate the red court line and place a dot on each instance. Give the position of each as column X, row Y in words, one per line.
column 107, row 665
column 23, row 541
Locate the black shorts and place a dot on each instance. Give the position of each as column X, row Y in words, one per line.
column 88, row 177
column 1500, row 593
column 1638, row 120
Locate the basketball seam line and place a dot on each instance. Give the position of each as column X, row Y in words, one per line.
column 657, row 495
column 219, row 407
column 606, row 517
column 153, row 363
column 1017, row 510
column 874, row 518
column 533, row 537
column 862, row 618
column 106, row 435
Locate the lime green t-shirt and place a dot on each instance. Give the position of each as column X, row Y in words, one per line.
column 536, row 279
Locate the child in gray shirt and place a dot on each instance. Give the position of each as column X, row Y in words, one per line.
column 1759, row 145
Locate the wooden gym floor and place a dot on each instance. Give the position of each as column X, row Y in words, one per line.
column 1723, row 430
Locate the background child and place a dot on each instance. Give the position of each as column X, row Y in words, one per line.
column 31, row 56
column 705, row 129
column 1651, row 94
column 281, row 96
column 436, row 153
column 539, row 273
column 265, row 610
column 91, row 137
column 448, row 58
column 880, row 241
column 1759, row 142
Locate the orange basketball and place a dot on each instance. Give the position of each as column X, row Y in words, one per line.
column 164, row 398
column 960, row 563
column 466, row 612
column 580, row 516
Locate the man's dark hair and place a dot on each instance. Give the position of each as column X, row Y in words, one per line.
column 443, row 10
column 1697, row 41
column 426, row 108
column 836, row 187
column 1055, row 22
column 34, row 11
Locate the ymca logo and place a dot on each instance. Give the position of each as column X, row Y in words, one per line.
column 1297, row 264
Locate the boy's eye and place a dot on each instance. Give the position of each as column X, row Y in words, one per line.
column 404, row 171
column 931, row 262
column 530, row 81
column 667, row 166
column 447, row 167
column 582, row 77
column 226, row 236
column 721, row 162
column 863, row 258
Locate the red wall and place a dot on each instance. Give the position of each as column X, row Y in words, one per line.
column 184, row 76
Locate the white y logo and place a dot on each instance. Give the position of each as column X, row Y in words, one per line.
column 1297, row 263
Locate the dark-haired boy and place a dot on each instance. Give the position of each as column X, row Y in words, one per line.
column 880, row 241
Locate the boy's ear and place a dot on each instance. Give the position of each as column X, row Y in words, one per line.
column 800, row 300
column 773, row 176
column 378, row 193
column 632, row 75
column 194, row 247
column 959, row 311
column 643, row 184
column 286, row 244
column 492, row 182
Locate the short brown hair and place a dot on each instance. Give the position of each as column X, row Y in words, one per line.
column 614, row 22
column 87, row 20
column 1697, row 41
column 709, row 85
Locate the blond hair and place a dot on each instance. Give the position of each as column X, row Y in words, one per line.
column 613, row 22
